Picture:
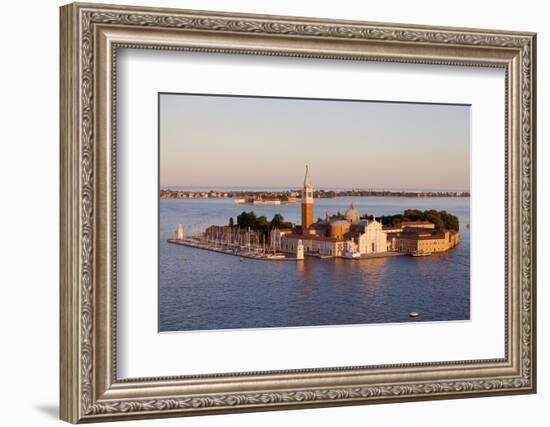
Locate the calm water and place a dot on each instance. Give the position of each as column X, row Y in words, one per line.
column 202, row 290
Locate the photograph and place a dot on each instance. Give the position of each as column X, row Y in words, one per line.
column 278, row 208
column 282, row 212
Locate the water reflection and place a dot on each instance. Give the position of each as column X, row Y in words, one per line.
column 372, row 271
column 305, row 270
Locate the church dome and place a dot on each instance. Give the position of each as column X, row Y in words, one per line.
column 352, row 214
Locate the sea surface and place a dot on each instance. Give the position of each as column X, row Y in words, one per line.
column 203, row 290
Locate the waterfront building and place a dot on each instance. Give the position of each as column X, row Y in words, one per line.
column 426, row 241
column 313, row 245
column 368, row 236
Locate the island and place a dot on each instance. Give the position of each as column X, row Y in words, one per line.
column 347, row 235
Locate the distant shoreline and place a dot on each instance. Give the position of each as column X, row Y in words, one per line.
column 293, row 196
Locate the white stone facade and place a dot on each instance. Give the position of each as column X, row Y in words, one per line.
column 373, row 239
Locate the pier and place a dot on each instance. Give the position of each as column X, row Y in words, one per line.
column 258, row 254
column 382, row 255
column 235, row 250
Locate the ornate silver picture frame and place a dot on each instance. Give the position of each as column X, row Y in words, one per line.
column 91, row 390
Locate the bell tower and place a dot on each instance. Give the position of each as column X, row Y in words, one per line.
column 307, row 203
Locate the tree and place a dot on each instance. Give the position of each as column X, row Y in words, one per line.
column 414, row 214
column 451, row 222
column 436, row 220
column 262, row 222
column 231, row 223
column 276, row 221
column 247, row 220
column 441, row 219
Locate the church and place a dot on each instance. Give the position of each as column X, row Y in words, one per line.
column 341, row 235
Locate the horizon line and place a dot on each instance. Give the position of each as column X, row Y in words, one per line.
column 294, row 187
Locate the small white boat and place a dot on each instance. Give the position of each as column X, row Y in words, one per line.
column 414, row 314
column 352, row 255
column 417, row 253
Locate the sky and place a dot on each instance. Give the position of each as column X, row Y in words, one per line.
column 227, row 141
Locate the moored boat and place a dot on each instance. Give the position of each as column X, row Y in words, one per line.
column 352, row 255
column 420, row 253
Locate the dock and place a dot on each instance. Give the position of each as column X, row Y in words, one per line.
column 382, row 255
column 235, row 251
column 250, row 253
